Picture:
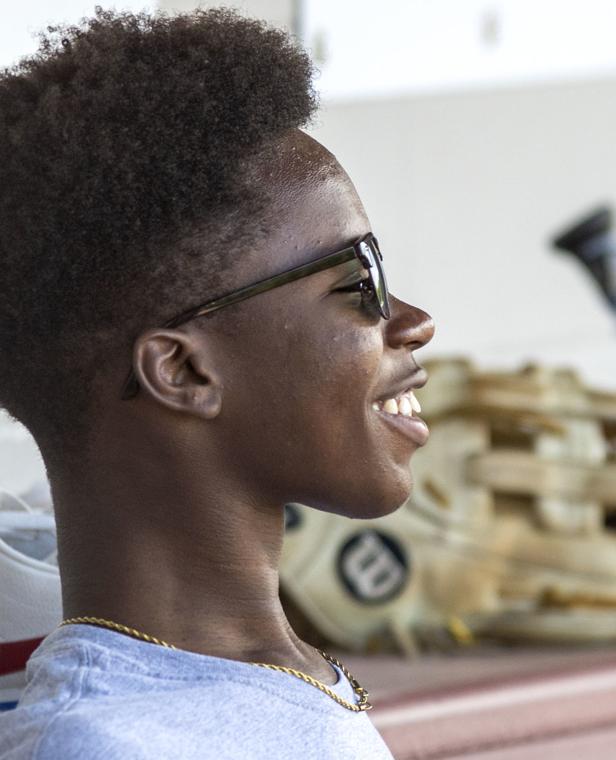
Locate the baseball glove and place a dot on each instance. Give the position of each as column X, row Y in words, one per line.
column 510, row 532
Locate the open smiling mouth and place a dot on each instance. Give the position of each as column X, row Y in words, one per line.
column 402, row 412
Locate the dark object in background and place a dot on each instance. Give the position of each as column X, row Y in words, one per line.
column 591, row 241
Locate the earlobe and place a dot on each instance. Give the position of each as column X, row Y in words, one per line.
column 173, row 368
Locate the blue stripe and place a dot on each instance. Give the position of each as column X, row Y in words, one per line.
column 7, row 706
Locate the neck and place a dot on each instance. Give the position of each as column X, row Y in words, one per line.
column 151, row 548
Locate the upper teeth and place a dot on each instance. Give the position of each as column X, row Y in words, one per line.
column 405, row 404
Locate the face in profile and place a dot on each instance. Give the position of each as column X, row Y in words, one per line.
column 317, row 406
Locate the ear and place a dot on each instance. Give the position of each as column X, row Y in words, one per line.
column 173, row 367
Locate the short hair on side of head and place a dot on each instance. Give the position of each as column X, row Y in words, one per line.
column 123, row 145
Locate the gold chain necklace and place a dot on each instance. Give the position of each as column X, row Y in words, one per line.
column 361, row 705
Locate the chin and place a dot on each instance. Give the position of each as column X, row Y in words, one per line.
column 394, row 493
column 374, row 511
column 376, row 499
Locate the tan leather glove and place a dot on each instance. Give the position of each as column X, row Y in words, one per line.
column 510, row 531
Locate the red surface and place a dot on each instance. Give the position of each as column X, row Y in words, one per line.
column 508, row 705
column 595, row 744
column 14, row 654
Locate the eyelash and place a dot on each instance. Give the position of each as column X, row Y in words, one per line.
column 364, row 288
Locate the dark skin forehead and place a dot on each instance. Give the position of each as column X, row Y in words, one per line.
column 313, row 206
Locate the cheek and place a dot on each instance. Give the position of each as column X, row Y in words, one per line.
column 337, row 374
column 329, row 426
column 305, row 385
column 298, row 418
column 361, row 469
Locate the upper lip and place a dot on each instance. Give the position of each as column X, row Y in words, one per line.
column 415, row 380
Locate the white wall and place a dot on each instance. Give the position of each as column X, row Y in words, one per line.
column 410, row 46
column 22, row 21
column 463, row 192
column 277, row 12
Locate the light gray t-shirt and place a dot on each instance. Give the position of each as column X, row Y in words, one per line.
column 94, row 694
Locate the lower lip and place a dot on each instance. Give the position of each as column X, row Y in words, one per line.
column 412, row 427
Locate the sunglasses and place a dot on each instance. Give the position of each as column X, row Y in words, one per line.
column 366, row 251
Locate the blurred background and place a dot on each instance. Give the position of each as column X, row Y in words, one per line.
column 476, row 132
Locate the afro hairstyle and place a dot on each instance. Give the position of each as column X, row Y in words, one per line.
column 124, row 147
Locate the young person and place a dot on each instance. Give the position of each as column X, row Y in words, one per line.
column 153, row 174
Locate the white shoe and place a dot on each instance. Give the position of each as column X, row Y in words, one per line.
column 30, row 594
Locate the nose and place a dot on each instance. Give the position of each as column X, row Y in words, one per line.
column 409, row 326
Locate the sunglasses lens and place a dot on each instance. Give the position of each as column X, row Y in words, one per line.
column 377, row 275
column 380, row 286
